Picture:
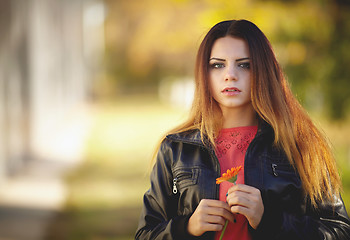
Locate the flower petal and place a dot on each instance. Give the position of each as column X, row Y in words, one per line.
column 230, row 175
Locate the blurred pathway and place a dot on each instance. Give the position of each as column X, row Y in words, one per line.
column 30, row 200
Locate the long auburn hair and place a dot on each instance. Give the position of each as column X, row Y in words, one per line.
column 305, row 146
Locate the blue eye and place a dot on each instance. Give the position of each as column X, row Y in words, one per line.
column 217, row 65
column 245, row 65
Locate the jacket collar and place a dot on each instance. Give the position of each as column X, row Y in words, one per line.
column 191, row 136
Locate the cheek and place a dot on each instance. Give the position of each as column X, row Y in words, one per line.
column 250, row 90
column 249, row 85
column 248, row 81
column 213, row 90
column 212, row 84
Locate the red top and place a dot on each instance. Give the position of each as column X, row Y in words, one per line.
column 231, row 146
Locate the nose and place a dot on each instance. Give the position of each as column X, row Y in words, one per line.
column 230, row 74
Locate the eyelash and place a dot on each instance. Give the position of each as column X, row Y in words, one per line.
column 244, row 65
column 217, row 65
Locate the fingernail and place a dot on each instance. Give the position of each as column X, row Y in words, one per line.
column 226, row 194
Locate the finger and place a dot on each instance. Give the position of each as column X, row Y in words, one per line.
column 243, row 188
column 243, row 194
column 249, row 205
column 215, row 207
column 252, row 216
column 213, row 219
column 239, row 199
column 242, row 210
column 199, row 224
column 226, row 214
column 222, row 212
column 212, row 227
column 216, row 204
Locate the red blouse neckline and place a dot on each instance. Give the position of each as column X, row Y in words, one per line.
column 239, row 128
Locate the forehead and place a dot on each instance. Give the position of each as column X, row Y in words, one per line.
column 230, row 47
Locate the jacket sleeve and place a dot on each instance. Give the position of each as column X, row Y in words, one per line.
column 159, row 218
column 329, row 222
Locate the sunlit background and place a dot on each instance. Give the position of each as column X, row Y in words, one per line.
column 88, row 88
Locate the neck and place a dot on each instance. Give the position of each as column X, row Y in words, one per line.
column 239, row 117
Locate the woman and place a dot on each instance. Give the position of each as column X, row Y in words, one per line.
column 243, row 114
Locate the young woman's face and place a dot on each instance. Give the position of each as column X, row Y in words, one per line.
column 229, row 73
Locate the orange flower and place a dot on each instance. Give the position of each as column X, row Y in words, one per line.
column 230, row 175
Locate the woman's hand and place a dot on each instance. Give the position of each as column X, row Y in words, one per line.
column 247, row 201
column 210, row 215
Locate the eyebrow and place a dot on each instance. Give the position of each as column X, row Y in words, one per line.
column 223, row 60
column 242, row 59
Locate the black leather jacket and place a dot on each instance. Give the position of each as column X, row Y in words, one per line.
column 185, row 173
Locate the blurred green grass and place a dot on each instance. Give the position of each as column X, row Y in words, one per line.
column 105, row 191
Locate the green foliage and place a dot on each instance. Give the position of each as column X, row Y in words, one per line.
column 149, row 40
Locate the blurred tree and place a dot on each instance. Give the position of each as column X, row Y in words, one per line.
column 150, row 39
column 336, row 89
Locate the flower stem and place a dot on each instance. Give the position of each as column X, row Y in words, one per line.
column 223, row 230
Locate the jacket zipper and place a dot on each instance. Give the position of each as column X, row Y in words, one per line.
column 174, row 186
column 274, row 169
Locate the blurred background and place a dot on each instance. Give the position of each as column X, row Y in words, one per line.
column 88, row 88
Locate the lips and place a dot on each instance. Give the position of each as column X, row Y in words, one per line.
column 231, row 90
